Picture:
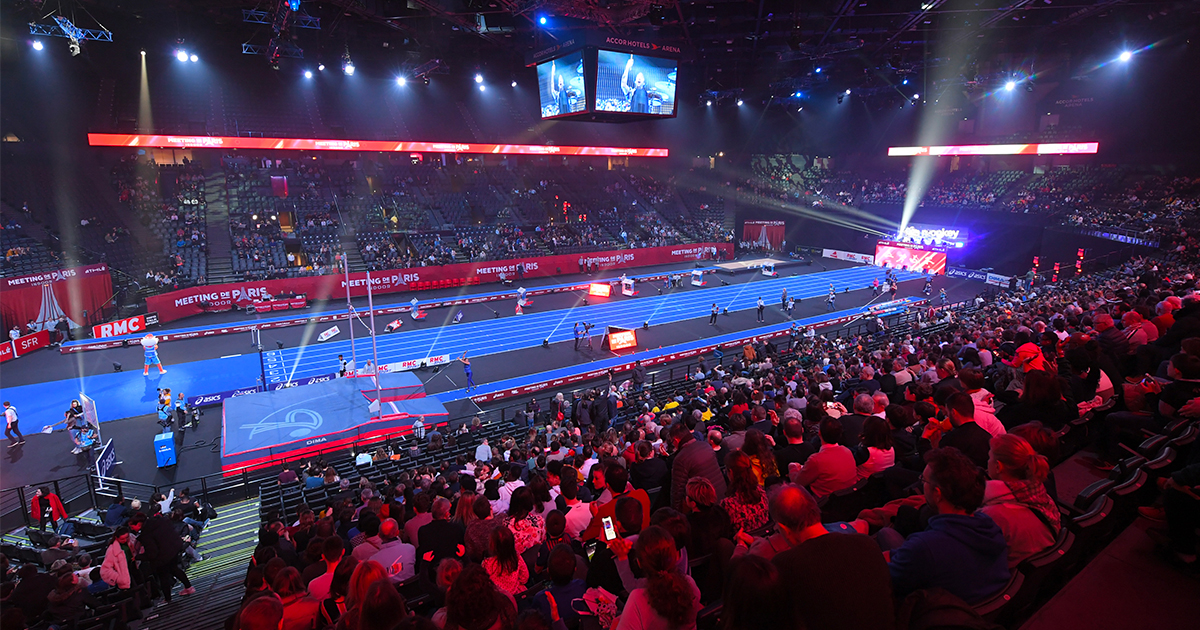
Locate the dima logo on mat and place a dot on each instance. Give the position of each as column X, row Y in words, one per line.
column 298, row 423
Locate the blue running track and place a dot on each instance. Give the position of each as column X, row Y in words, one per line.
column 512, row 333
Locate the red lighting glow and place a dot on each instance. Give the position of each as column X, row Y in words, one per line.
column 1051, row 148
column 599, row 290
column 311, row 144
column 622, row 339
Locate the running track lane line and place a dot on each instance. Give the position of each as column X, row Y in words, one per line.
column 486, row 337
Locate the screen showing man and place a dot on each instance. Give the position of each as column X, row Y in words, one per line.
column 561, row 86
column 912, row 257
column 635, row 84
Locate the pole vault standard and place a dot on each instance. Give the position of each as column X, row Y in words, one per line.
column 350, row 309
column 374, row 349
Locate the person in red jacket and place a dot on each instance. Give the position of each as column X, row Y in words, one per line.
column 47, row 507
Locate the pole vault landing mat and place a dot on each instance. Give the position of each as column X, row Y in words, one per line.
column 292, row 422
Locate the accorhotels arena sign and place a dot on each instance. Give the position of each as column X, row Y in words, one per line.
column 628, row 43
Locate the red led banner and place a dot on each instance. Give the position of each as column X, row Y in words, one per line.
column 1051, row 148
column 310, row 144
column 599, row 290
column 621, row 340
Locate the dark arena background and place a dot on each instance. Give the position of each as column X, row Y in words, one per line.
column 369, row 314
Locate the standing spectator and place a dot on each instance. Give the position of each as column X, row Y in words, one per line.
column 11, row 430
column 46, row 507
column 161, row 546
column 119, row 568
column 693, row 458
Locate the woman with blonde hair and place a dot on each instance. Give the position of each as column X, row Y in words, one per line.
column 1016, row 499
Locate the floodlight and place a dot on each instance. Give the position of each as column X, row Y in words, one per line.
column 181, row 55
column 1010, row 86
column 308, row 74
column 320, row 67
column 542, row 20
column 194, row 58
column 1126, row 56
column 708, row 103
column 37, row 45
column 514, row 84
column 847, row 92
column 348, row 69
column 479, row 78
column 401, row 81
column 739, row 102
column 482, row 88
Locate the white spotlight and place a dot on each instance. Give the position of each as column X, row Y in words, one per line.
column 401, row 81
column 847, row 92
column 479, row 78
column 348, row 69
column 194, row 58
column 482, row 88
column 514, row 84
column 320, row 67
column 708, row 103
column 143, row 52
column 739, row 102
column 1126, row 56
column 916, row 96
column 1010, row 86
column 308, row 74
column 37, row 45
column 181, row 55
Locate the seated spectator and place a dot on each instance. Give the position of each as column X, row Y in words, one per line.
column 603, row 571
column 876, row 453
column 261, row 613
column 69, row 600
column 332, row 551
column 967, row 436
column 1042, row 401
column 795, row 449
column 648, row 471
column 479, row 531
column 745, row 501
column 381, row 607
column 669, row 598
column 334, row 606
column 762, row 457
column 365, row 574
column 830, row 469
column 440, row 539
column 1015, row 498
column 556, row 534
column 563, row 586
column 397, row 557
column 960, row 551
column 506, row 568
column 834, row 579
column 473, row 602
column 528, row 528
column 754, row 597
column 299, row 610
column 709, row 521
column 616, row 476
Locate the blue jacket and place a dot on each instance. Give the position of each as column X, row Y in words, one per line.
column 964, row 554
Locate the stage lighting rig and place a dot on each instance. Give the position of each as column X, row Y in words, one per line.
column 63, row 27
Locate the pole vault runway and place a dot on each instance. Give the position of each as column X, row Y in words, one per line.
column 508, row 333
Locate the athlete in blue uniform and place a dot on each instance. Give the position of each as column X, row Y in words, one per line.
column 467, row 369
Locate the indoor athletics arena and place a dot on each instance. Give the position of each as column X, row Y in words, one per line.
column 591, row 316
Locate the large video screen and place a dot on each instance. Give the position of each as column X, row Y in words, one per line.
column 911, row 257
column 561, row 86
column 937, row 235
column 635, row 84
